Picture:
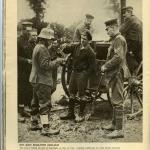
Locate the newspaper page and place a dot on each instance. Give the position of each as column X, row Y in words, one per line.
column 77, row 75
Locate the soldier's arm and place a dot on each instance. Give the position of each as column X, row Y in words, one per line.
column 118, row 55
column 69, row 48
column 125, row 27
column 21, row 47
column 21, row 59
column 24, row 60
column 44, row 60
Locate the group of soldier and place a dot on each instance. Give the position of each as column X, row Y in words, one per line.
column 125, row 41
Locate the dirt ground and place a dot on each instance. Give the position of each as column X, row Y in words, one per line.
column 87, row 131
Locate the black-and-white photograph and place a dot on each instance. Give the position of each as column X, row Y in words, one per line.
column 79, row 71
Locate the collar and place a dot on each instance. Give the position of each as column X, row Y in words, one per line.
column 112, row 38
column 87, row 26
column 83, row 48
column 127, row 19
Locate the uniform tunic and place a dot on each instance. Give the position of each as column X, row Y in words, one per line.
column 116, row 69
column 53, row 53
column 24, row 68
column 80, row 30
column 41, row 79
column 131, row 29
column 83, row 66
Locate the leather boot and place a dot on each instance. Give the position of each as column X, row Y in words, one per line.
column 80, row 117
column 46, row 131
column 70, row 114
column 34, row 123
column 112, row 126
column 118, row 132
column 23, row 113
column 115, row 134
column 21, row 118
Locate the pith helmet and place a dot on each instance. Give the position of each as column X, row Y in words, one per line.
column 46, row 33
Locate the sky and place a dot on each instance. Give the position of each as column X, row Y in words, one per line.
column 69, row 11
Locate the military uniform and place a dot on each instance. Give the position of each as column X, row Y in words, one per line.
column 42, row 83
column 131, row 29
column 41, row 61
column 53, row 53
column 24, row 68
column 80, row 30
column 83, row 66
column 115, row 69
column 83, row 28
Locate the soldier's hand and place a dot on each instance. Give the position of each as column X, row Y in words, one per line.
column 60, row 61
column 103, row 68
column 29, row 61
column 63, row 45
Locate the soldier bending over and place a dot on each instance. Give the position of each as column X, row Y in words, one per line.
column 83, row 66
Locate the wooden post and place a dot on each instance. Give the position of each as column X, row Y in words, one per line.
column 122, row 4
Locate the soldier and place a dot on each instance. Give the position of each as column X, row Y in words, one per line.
column 83, row 66
column 27, row 25
column 52, row 48
column 28, row 88
column 33, row 38
column 42, row 82
column 131, row 29
column 86, row 26
column 24, row 67
column 114, row 70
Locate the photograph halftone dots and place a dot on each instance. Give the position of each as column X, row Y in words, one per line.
column 79, row 71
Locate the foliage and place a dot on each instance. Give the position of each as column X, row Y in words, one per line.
column 114, row 5
column 38, row 7
column 59, row 29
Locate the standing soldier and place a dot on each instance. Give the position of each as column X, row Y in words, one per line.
column 85, row 26
column 52, row 48
column 30, row 46
column 24, row 55
column 114, row 70
column 131, row 29
column 42, row 82
column 83, row 66
column 33, row 38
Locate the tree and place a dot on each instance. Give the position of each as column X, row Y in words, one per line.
column 59, row 29
column 113, row 5
column 38, row 7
